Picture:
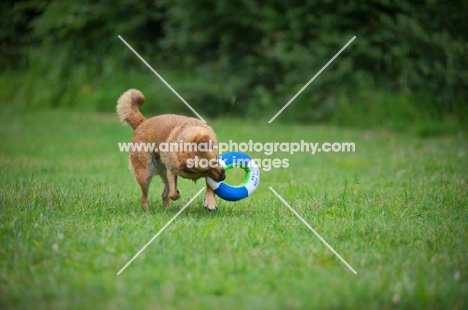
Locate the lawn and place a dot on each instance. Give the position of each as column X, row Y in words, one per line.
column 395, row 210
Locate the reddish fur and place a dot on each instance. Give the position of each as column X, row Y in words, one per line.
column 166, row 128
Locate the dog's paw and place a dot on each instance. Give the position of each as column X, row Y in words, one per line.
column 175, row 196
column 144, row 202
column 210, row 206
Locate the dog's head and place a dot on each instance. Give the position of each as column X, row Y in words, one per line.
column 199, row 158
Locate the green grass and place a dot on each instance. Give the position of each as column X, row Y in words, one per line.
column 370, row 107
column 395, row 210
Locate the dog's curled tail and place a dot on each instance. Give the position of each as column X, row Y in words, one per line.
column 127, row 108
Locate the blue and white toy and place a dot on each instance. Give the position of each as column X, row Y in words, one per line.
column 251, row 179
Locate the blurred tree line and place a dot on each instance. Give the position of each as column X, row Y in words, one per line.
column 251, row 55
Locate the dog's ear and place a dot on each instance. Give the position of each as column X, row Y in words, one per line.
column 201, row 137
column 204, row 142
column 182, row 166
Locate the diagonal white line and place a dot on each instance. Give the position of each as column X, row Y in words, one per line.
column 160, row 231
column 164, row 81
column 324, row 67
column 308, row 226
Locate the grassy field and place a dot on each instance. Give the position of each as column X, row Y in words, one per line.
column 395, row 210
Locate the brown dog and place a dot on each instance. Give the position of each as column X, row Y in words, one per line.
column 169, row 130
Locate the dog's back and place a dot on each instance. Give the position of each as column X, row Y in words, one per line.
column 160, row 128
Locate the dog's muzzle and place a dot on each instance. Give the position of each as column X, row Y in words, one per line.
column 222, row 176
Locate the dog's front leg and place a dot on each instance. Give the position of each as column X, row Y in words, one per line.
column 172, row 182
column 210, row 202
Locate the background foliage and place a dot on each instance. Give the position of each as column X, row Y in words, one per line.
column 247, row 58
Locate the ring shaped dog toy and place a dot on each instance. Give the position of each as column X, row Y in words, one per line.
column 251, row 179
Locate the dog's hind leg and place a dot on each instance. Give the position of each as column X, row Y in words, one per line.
column 143, row 174
column 144, row 181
